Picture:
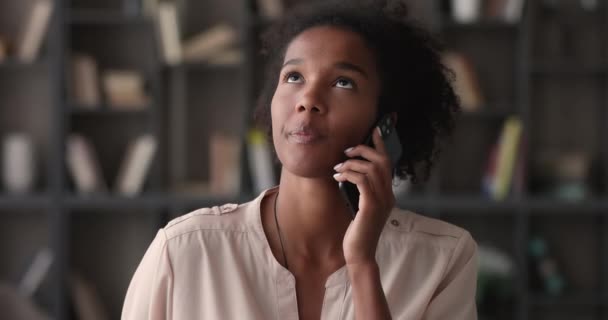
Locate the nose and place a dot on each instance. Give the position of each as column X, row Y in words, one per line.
column 311, row 100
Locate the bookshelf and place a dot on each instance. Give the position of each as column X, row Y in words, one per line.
column 562, row 101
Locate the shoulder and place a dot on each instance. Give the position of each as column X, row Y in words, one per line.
column 228, row 217
column 406, row 227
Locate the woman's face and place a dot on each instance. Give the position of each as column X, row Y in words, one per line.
column 325, row 101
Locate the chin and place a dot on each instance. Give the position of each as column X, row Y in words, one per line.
column 307, row 166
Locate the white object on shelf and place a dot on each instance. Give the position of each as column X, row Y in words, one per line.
column 19, row 169
column 466, row 11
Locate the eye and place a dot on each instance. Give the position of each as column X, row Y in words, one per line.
column 345, row 83
column 293, row 77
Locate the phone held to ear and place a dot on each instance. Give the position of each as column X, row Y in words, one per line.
column 349, row 191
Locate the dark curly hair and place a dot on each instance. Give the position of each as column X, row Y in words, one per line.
column 414, row 83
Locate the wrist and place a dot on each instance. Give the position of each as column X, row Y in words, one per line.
column 364, row 269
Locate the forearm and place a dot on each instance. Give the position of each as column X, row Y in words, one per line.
column 368, row 297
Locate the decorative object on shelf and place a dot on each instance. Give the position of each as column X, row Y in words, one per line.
column 33, row 32
column 471, row 11
column 225, row 164
column 15, row 307
column 19, row 165
column 270, row 9
column 259, row 155
column 135, row 166
column 84, row 166
column 85, row 81
column 3, row 49
column 149, row 8
column 85, row 298
column 563, row 174
column 209, row 44
column 466, row 84
column 544, row 271
column 495, row 276
column 125, row 89
column 504, row 160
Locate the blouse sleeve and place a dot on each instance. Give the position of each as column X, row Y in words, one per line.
column 150, row 292
column 455, row 297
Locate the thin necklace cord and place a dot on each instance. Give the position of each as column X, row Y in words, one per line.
column 276, row 220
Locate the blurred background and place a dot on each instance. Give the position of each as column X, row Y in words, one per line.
column 117, row 116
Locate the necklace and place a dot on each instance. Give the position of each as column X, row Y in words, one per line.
column 276, row 220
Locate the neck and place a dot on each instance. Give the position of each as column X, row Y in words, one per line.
column 312, row 217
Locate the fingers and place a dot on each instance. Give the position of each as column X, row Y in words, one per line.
column 363, row 171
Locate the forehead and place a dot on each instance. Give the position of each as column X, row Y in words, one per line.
column 330, row 43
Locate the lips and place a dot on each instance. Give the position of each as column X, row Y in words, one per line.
column 305, row 136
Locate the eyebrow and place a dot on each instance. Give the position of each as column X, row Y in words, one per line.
column 340, row 65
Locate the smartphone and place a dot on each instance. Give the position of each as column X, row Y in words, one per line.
column 349, row 191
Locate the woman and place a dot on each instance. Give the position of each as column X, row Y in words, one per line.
column 295, row 251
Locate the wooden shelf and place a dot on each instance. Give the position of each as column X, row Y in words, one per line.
column 479, row 26
column 29, row 201
column 104, row 111
column 568, row 300
column 105, row 18
column 568, row 70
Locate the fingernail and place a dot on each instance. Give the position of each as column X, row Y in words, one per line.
column 337, row 175
column 337, row 166
column 379, row 131
column 349, row 149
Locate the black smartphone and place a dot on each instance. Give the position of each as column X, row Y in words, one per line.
column 349, row 191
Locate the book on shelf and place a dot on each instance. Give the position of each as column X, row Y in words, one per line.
column 505, row 163
column 85, row 299
column 168, row 28
column 466, row 84
column 136, row 164
column 259, row 157
column 209, row 43
column 124, row 89
column 85, row 81
column 83, row 165
column 213, row 45
column 270, row 9
column 225, row 164
column 229, row 57
column 34, row 30
column 36, row 272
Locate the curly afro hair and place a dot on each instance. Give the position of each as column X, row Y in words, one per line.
column 414, row 82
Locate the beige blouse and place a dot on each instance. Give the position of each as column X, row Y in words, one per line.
column 216, row 263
